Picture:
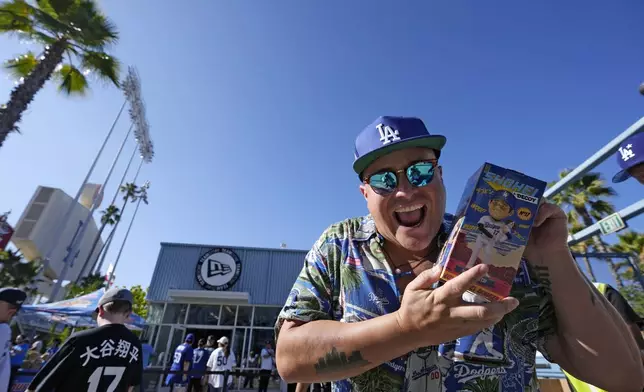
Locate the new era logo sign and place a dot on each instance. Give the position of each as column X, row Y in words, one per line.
column 627, row 152
column 387, row 134
column 217, row 268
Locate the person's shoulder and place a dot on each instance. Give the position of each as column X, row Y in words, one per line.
column 5, row 331
column 131, row 336
column 83, row 335
column 357, row 229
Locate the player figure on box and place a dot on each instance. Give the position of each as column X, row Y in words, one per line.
column 494, row 228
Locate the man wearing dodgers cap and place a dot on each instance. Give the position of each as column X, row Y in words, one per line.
column 630, row 158
column 363, row 312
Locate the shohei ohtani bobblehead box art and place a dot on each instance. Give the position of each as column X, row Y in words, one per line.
column 492, row 226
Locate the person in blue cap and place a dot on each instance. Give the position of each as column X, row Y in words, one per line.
column 11, row 300
column 181, row 361
column 366, row 313
column 630, row 158
column 494, row 228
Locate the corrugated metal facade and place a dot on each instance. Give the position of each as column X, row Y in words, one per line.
column 267, row 274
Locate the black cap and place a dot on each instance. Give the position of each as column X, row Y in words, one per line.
column 115, row 294
column 13, row 296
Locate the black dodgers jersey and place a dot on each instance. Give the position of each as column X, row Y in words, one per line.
column 103, row 359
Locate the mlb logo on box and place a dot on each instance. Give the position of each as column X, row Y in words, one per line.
column 493, row 223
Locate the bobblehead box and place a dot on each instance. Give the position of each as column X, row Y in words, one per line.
column 492, row 225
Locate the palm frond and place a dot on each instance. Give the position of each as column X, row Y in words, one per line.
column 72, row 80
column 21, row 67
column 56, row 7
column 91, row 28
column 106, row 67
column 15, row 16
column 601, row 208
column 45, row 20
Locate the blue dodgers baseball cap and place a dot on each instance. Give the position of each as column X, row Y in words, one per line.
column 190, row 338
column 388, row 134
column 629, row 154
column 506, row 196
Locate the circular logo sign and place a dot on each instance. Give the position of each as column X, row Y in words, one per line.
column 218, row 269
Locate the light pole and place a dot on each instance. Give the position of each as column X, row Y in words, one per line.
column 100, row 232
column 132, row 90
column 142, row 197
column 60, row 228
column 106, row 247
column 77, row 240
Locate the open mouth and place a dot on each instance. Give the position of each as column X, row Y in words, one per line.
column 411, row 216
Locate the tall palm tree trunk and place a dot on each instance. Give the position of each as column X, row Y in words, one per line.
column 589, row 268
column 96, row 269
column 24, row 93
column 600, row 246
column 106, row 246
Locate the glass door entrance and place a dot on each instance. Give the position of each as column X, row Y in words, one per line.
column 177, row 336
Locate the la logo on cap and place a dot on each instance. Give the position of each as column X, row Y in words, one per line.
column 627, row 152
column 387, row 134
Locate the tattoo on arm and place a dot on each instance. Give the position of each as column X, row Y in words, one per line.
column 335, row 360
column 544, row 278
column 547, row 314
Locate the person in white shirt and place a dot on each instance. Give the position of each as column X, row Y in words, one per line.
column 11, row 300
column 220, row 360
column 267, row 355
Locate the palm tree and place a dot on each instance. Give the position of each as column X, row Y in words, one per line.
column 131, row 193
column 75, row 29
column 15, row 271
column 109, row 216
column 585, row 202
column 86, row 285
column 632, row 243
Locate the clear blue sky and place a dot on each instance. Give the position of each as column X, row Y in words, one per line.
column 254, row 106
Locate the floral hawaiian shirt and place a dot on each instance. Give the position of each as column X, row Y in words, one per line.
column 347, row 278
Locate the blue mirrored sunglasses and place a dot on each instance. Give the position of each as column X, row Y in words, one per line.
column 418, row 174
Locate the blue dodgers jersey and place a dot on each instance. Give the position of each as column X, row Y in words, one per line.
column 199, row 361
column 183, row 353
column 19, row 354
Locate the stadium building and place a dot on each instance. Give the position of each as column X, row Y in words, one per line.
column 218, row 290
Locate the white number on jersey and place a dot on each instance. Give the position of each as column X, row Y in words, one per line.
column 177, row 357
column 107, row 371
column 198, row 356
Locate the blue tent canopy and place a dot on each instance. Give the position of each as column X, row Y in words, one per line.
column 77, row 312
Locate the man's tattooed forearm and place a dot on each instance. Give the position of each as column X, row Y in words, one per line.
column 544, row 278
column 334, row 361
